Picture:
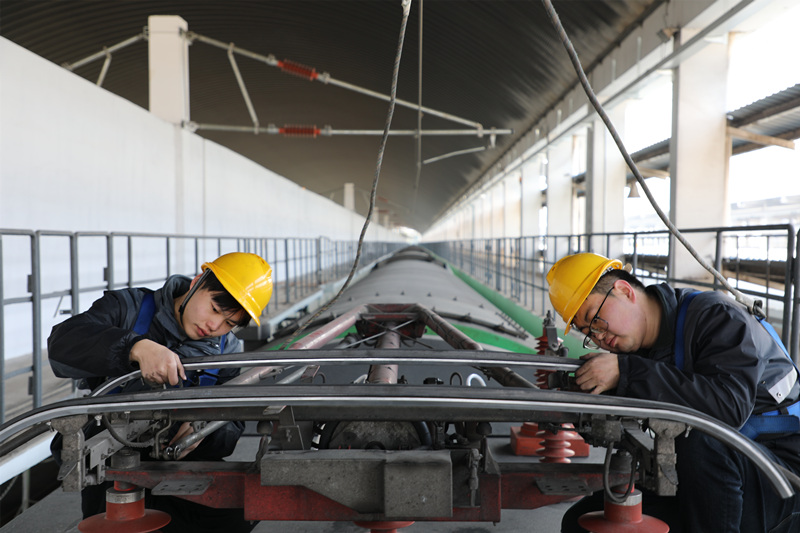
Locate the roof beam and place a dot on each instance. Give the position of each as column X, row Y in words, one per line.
column 765, row 140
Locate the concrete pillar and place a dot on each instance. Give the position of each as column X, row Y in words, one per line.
column 560, row 193
column 473, row 232
column 503, row 207
column 531, row 198
column 699, row 154
column 168, row 56
column 605, row 180
column 349, row 201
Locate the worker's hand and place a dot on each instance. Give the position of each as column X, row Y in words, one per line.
column 599, row 373
column 158, row 363
column 185, row 429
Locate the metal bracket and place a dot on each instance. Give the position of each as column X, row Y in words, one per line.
column 286, row 432
column 665, row 456
column 71, row 474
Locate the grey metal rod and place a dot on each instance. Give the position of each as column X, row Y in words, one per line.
column 328, row 80
column 243, row 88
column 104, row 52
column 516, row 402
column 326, row 132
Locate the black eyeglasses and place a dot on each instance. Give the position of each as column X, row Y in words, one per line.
column 597, row 326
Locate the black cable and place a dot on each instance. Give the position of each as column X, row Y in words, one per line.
column 610, row 496
column 9, row 487
column 122, row 440
column 406, row 4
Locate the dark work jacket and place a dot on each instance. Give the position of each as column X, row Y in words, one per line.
column 97, row 343
column 732, row 366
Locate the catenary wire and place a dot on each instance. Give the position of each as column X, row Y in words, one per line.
column 406, row 5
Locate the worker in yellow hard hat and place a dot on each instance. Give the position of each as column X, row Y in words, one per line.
column 696, row 349
column 154, row 332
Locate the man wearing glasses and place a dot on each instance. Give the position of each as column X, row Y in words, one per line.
column 697, row 349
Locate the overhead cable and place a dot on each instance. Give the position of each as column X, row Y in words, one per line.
column 406, row 5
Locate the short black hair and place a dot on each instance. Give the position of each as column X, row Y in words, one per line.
column 224, row 300
column 609, row 278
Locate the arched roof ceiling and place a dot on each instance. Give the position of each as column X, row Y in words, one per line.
column 495, row 62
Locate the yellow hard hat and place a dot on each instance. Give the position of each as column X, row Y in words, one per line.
column 572, row 279
column 247, row 277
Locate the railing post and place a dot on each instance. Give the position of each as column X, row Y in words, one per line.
column 499, row 265
column 286, row 258
column 169, row 258
column 130, row 261
column 36, row 306
column 788, row 295
column 2, row 336
column 718, row 258
column 74, row 277
column 109, row 273
column 296, row 263
column 318, row 242
column 794, row 345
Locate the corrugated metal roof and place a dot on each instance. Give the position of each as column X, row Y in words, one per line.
column 496, row 62
column 777, row 115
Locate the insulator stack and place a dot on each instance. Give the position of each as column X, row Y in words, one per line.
column 625, row 517
column 555, row 447
column 541, row 345
column 296, row 69
column 541, row 378
column 576, row 442
column 541, row 375
column 299, row 131
column 524, row 440
column 125, row 512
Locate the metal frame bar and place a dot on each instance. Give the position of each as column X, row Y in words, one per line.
column 79, row 261
column 353, row 402
column 486, row 260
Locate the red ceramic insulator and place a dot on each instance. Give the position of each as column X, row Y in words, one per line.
column 524, row 440
column 625, row 517
column 299, row 131
column 296, row 69
column 576, row 442
column 555, row 448
column 541, row 345
column 383, row 527
column 125, row 513
column 541, row 378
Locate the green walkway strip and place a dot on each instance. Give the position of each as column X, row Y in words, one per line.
column 529, row 322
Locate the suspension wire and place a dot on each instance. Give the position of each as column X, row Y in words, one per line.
column 406, row 5
column 753, row 307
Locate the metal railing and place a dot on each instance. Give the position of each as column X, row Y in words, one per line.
column 45, row 275
column 757, row 260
